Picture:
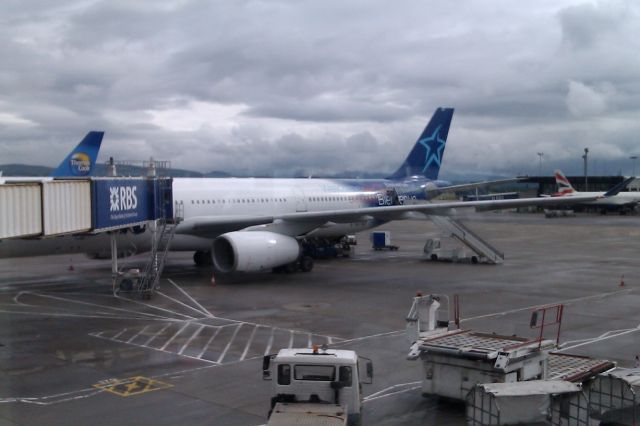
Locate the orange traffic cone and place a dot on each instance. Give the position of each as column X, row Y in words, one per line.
column 71, row 268
column 622, row 281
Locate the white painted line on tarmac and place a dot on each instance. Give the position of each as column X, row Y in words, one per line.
column 226, row 349
column 44, row 400
column 142, row 330
column 179, row 302
column 246, row 348
column 58, row 314
column 204, row 310
column 393, row 393
column 162, row 330
column 373, row 336
column 600, row 339
column 174, row 336
column 160, row 350
column 564, row 302
column 206, row 346
column 270, row 343
column 193, row 336
column 124, row 330
column 384, row 392
column 46, row 296
column 154, row 307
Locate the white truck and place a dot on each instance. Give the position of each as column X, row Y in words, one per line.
column 316, row 387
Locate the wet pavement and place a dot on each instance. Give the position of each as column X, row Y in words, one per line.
column 71, row 353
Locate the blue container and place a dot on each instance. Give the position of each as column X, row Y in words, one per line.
column 380, row 239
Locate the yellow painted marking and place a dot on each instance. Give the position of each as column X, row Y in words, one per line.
column 132, row 386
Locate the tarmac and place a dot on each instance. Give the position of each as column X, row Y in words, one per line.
column 72, row 353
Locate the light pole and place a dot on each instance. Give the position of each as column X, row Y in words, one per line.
column 586, row 153
column 634, row 158
column 540, row 154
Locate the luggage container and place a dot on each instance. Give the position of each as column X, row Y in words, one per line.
column 381, row 240
column 20, row 210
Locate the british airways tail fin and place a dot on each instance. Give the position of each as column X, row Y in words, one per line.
column 426, row 156
column 564, row 186
column 82, row 160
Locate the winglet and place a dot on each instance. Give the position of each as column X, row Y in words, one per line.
column 82, row 160
column 619, row 187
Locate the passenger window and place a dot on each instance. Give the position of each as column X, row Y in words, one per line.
column 284, row 374
column 345, row 375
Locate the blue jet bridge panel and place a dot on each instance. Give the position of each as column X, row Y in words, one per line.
column 123, row 202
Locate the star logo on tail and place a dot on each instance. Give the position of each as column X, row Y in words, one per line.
column 433, row 145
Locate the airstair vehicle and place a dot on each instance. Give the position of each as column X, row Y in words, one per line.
column 483, row 251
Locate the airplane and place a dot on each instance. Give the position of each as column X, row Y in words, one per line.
column 256, row 224
column 80, row 162
column 626, row 200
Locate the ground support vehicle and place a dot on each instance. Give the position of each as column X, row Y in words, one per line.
column 316, row 386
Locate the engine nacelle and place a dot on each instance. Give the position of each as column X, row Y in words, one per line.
column 253, row 251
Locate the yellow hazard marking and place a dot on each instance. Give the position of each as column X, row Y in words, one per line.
column 132, row 386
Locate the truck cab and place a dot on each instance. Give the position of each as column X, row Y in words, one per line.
column 318, row 376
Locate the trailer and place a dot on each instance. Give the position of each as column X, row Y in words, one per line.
column 316, row 387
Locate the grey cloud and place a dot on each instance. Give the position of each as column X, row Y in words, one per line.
column 322, row 86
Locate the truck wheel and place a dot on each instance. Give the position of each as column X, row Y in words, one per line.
column 474, row 259
column 434, row 257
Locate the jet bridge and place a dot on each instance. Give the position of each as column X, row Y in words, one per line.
column 47, row 207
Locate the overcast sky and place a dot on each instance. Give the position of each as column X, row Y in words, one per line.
column 271, row 87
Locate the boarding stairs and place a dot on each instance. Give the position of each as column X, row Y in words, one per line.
column 165, row 229
column 464, row 235
column 153, row 269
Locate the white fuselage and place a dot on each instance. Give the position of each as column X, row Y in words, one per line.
column 620, row 199
column 233, row 197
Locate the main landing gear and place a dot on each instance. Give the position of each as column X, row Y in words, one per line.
column 203, row 258
column 303, row 264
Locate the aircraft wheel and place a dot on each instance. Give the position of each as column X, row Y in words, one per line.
column 306, row 264
column 126, row 285
column 202, row 258
column 474, row 259
column 290, row 268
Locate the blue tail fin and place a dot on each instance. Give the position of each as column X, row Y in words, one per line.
column 82, row 160
column 426, row 156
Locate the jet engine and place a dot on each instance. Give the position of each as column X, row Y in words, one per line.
column 253, row 251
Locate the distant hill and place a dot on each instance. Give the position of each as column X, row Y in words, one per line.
column 25, row 170
column 101, row 170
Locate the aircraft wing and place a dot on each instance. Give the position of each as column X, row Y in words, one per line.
column 299, row 223
column 432, row 192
